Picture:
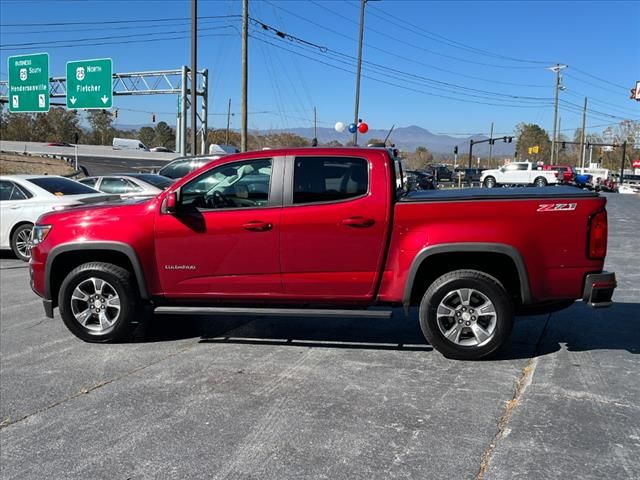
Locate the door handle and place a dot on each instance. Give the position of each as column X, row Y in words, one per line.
column 358, row 222
column 257, row 226
column 15, row 207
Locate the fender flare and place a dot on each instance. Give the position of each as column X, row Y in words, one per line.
column 499, row 248
column 110, row 246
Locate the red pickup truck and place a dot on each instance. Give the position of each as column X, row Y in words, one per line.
column 324, row 232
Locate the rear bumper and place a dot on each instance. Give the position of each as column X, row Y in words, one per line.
column 598, row 289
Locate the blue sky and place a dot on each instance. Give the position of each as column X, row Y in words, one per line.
column 451, row 67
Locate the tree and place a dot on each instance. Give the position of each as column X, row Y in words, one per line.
column 164, row 136
column 147, row 136
column 531, row 135
column 333, row 143
column 375, row 140
column 100, row 121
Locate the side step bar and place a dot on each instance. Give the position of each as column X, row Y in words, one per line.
column 280, row 312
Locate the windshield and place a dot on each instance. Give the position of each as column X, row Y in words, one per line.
column 156, row 180
column 61, row 186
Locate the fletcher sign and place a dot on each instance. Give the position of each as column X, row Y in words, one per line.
column 89, row 84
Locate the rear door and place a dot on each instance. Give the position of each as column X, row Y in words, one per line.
column 334, row 225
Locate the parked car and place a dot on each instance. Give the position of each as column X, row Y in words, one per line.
column 565, row 173
column 419, row 180
column 23, row 198
column 129, row 184
column 161, row 150
column 440, row 172
column 584, row 180
column 324, row 231
column 129, row 144
column 180, row 167
column 468, row 175
column 59, row 144
column 518, row 173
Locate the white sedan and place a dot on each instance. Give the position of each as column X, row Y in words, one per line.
column 23, row 198
column 129, row 184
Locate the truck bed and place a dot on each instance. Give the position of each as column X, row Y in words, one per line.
column 517, row 193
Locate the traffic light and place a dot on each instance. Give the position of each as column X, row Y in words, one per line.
column 564, row 145
column 509, row 139
column 536, row 149
column 115, row 113
column 153, row 117
column 492, row 141
column 530, row 150
column 455, row 150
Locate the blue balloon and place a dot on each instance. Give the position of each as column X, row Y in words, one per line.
column 353, row 127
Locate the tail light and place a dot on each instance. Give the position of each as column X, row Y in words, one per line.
column 598, row 232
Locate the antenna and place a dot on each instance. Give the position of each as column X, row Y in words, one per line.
column 389, row 134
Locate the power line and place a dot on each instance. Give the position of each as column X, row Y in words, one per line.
column 600, row 79
column 111, row 22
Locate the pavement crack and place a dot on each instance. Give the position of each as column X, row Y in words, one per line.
column 526, row 377
column 85, row 391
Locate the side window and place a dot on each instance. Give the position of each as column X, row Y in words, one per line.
column 11, row 191
column 327, row 179
column 511, row 167
column 522, row 166
column 118, row 185
column 89, row 182
column 243, row 184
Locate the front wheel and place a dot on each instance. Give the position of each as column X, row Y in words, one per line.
column 466, row 314
column 99, row 302
column 489, row 182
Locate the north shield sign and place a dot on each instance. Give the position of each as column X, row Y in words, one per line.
column 28, row 83
column 89, row 84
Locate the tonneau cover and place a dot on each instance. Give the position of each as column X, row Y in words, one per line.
column 514, row 193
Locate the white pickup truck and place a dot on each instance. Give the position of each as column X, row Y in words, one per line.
column 518, row 173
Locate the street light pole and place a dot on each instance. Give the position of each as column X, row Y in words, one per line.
column 245, row 47
column 556, row 69
column 359, row 68
column 194, row 74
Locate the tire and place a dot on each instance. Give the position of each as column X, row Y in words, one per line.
column 101, row 283
column 489, row 182
column 20, row 242
column 540, row 182
column 469, row 342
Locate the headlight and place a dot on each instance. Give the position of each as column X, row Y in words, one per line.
column 39, row 233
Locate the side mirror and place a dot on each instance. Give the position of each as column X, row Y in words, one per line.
column 170, row 204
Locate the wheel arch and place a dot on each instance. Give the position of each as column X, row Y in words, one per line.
column 65, row 257
column 16, row 225
column 499, row 260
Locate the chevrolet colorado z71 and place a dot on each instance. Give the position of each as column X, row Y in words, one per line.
column 322, row 232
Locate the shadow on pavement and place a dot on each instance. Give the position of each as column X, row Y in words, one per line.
column 578, row 328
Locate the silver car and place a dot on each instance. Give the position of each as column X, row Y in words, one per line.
column 129, row 184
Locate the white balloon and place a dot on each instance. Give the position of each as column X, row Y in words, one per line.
column 340, row 127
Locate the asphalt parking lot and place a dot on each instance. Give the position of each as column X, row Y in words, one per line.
column 276, row 398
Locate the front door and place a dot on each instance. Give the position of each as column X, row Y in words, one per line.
column 223, row 242
column 334, row 225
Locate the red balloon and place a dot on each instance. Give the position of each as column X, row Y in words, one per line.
column 363, row 128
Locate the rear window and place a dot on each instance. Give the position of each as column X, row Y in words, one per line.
column 181, row 168
column 61, row 186
column 156, row 180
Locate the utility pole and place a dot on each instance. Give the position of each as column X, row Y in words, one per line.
column 314, row 142
column 624, row 153
column 556, row 69
column 557, row 140
column 226, row 139
column 194, row 74
column 583, row 136
column 245, row 41
column 490, row 146
column 470, row 152
column 355, row 115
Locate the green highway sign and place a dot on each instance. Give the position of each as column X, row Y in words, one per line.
column 29, row 83
column 89, row 83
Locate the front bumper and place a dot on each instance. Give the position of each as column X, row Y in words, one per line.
column 598, row 289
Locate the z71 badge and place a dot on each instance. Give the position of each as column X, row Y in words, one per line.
column 556, row 207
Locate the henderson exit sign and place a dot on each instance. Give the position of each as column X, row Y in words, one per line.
column 28, row 83
column 89, row 84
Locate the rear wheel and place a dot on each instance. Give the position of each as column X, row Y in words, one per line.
column 466, row 314
column 540, row 182
column 20, row 242
column 99, row 302
column 489, row 182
